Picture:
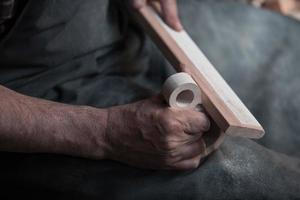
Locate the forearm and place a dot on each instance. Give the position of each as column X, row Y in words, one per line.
column 144, row 134
column 33, row 125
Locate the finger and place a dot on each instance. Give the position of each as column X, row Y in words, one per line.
column 189, row 150
column 194, row 122
column 138, row 4
column 187, row 164
column 170, row 14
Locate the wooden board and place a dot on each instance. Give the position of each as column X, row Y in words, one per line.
column 219, row 100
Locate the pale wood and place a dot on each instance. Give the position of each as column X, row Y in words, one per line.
column 219, row 100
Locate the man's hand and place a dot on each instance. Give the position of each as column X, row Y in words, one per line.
column 169, row 11
column 144, row 134
column 150, row 135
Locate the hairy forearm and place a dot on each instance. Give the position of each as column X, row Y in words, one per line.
column 145, row 134
column 34, row 125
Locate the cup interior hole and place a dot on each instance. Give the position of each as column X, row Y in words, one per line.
column 185, row 98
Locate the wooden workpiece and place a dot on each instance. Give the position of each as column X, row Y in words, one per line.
column 182, row 92
column 218, row 99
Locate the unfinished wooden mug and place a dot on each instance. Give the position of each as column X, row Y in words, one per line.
column 181, row 91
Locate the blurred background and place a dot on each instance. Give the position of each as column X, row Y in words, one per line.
column 287, row 7
column 255, row 45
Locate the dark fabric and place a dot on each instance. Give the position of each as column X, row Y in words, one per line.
column 6, row 9
column 241, row 169
column 9, row 11
column 81, row 55
column 257, row 52
column 6, row 12
column 66, row 50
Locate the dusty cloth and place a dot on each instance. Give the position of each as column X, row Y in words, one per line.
column 91, row 54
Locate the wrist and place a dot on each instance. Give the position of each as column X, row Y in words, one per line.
column 95, row 120
column 84, row 132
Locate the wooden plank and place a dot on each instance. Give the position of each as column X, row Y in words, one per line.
column 219, row 100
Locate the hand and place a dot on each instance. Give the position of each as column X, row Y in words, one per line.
column 150, row 135
column 169, row 11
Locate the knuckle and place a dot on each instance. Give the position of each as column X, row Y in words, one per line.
column 206, row 126
column 205, row 122
column 162, row 116
column 156, row 116
column 172, row 125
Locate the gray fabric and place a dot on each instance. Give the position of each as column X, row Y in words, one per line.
column 241, row 169
column 256, row 51
column 67, row 50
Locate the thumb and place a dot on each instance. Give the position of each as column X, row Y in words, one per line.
column 138, row 4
